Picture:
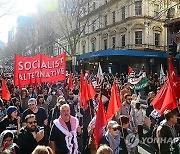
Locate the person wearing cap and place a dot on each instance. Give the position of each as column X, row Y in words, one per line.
column 11, row 121
column 113, row 138
column 39, row 112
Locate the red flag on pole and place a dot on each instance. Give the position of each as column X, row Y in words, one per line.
column 165, row 99
column 70, row 81
column 114, row 103
column 91, row 91
column 118, row 96
column 101, row 122
column 174, row 80
column 83, row 92
column 5, row 92
column 86, row 95
column 81, row 89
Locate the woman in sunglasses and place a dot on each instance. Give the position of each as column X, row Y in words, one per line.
column 113, row 138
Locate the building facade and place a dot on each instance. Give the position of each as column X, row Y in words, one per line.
column 118, row 31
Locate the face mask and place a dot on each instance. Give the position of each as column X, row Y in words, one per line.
column 53, row 92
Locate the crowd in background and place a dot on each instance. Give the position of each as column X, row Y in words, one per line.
column 48, row 114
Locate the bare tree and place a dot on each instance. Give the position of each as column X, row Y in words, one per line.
column 67, row 23
column 7, row 7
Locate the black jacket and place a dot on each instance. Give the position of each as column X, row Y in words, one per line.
column 121, row 145
column 164, row 132
column 26, row 142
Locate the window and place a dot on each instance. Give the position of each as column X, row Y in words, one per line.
column 93, row 46
column 113, row 17
column 123, row 40
column 94, row 5
column 105, row 44
column 105, row 20
column 113, row 42
column 157, row 39
column 138, row 37
column 123, row 9
column 138, row 8
column 83, row 49
column 156, row 10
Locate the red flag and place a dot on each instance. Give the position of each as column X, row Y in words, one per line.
column 83, row 92
column 101, row 122
column 118, row 96
column 5, row 92
column 91, row 91
column 81, row 89
column 86, row 96
column 70, row 81
column 174, row 80
column 130, row 70
column 165, row 99
column 114, row 103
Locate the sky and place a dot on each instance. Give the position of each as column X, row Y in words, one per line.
column 7, row 22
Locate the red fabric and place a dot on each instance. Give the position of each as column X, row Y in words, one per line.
column 118, row 96
column 86, row 95
column 71, row 86
column 40, row 68
column 91, row 91
column 174, row 80
column 81, row 89
column 165, row 99
column 101, row 122
column 114, row 103
column 130, row 70
column 83, row 92
column 5, row 92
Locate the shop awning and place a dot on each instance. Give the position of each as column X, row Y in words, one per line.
column 136, row 53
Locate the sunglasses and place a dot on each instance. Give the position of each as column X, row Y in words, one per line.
column 32, row 122
column 115, row 129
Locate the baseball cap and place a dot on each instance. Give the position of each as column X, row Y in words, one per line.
column 32, row 101
column 114, row 124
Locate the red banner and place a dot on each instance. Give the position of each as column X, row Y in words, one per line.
column 40, row 68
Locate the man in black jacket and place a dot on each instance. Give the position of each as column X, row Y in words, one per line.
column 30, row 136
column 167, row 131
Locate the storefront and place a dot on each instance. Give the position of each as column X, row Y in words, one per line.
column 119, row 60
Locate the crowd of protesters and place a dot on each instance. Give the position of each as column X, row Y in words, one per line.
column 47, row 118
